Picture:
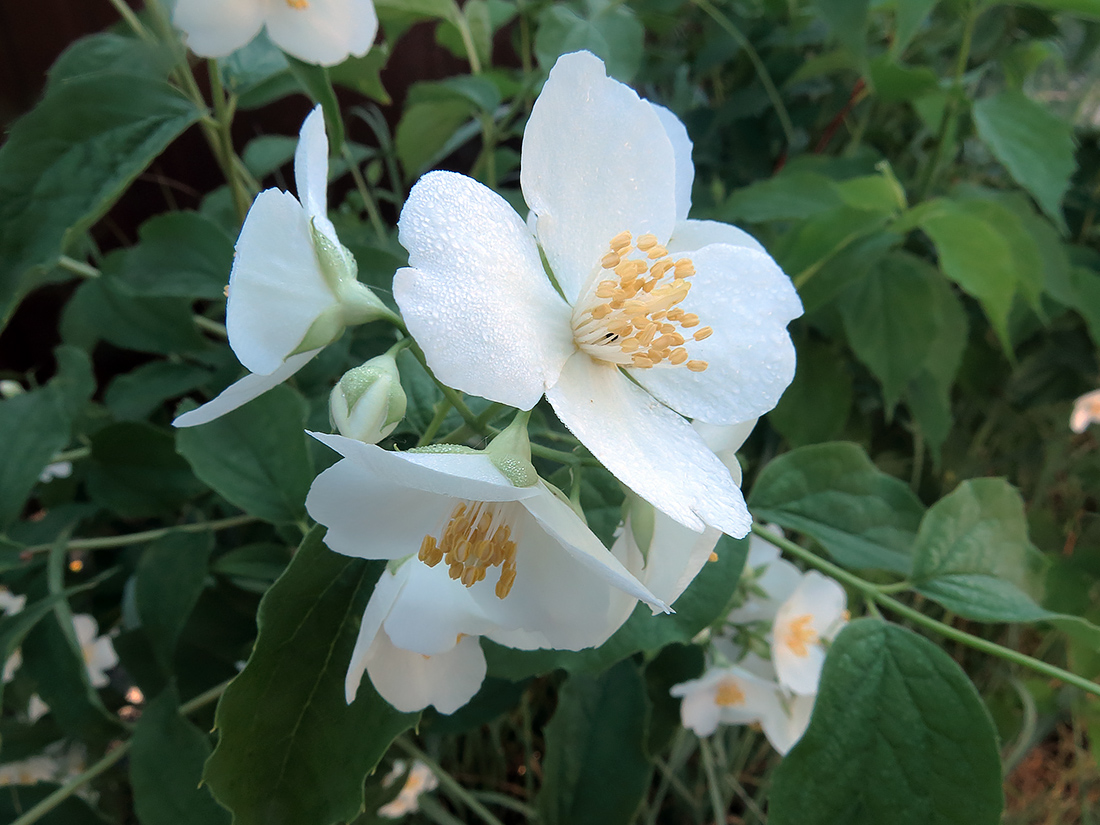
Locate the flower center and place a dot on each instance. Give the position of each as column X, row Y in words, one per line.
column 729, row 694
column 800, row 636
column 477, row 536
column 633, row 317
column 300, row 5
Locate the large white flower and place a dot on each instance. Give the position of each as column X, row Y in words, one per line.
column 293, row 288
column 98, row 651
column 646, row 318
column 325, row 32
column 479, row 556
column 806, row 622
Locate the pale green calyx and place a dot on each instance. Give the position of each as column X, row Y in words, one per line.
column 642, row 519
column 445, row 449
column 510, row 453
column 368, row 402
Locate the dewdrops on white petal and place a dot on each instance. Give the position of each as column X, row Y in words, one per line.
column 420, row 780
column 805, row 623
column 1086, row 410
column 98, row 651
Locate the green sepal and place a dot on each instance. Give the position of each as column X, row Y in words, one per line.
column 510, row 453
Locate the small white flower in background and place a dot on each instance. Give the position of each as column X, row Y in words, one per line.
column 420, row 780
column 324, row 32
column 59, row 469
column 11, row 666
column 36, row 708
column 368, row 402
column 805, row 623
column 10, row 389
column 768, row 579
column 29, row 771
column 650, row 317
column 11, row 603
column 479, row 546
column 99, row 652
column 1086, row 410
column 293, row 288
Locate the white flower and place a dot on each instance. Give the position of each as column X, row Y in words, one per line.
column 811, row 617
column 769, row 580
column 1086, row 410
column 59, row 469
column 11, row 603
column 658, row 317
column 420, row 780
column 368, row 402
column 11, row 666
column 519, row 566
column 324, row 32
column 99, row 653
column 293, row 287
column 29, row 771
column 36, row 708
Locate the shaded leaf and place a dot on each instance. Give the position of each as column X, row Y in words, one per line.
column 170, row 578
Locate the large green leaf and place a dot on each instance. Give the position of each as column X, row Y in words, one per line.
column 596, row 769
column 290, row 749
column 607, row 29
column 822, row 382
column 170, row 579
column 899, row 735
column 1034, row 144
column 166, row 768
column 835, row 494
column 790, row 195
column 848, row 20
column 67, row 161
column 255, row 456
column 703, row 603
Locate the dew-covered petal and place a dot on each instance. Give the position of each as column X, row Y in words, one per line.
column 386, row 591
column 475, row 295
column 744, row 297
column 324, row 32
column 276, row 289
column 675, row 557
column 216, row 28
column 596, row 162
column 410, row 681
column 784, row 726
column 689, row 236
column 311, row 171
column 681, row 148
column 240, row 393
column 433, row 610
column 648, row 447
column 469, row 476
column 725, row 440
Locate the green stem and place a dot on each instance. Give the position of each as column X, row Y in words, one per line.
column 717, row 804
column 84, row 270
column 128, row 539
column 109, row 760
column 459, row 19
column 369, row 203
column 73, row 455
column 441, row 410
column 448, row 782
column 223, row 116
column 758, row 64
column 873, row 593
column 127, row 14
column 211, row 326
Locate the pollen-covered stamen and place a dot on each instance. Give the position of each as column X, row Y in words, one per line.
column 477, row 536
column 632, row 315
column 800, row 636
column 729, row 694
column 298, row 4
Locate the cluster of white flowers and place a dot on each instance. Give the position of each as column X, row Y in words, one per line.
column 420, row 780
column 799, row 614
column 656, row 339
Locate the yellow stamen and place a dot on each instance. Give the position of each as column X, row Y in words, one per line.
column 298, row 4
column 713, row 556
column 729, row 693
column 800, row 636
column 696, row 366
column 703, row 333
column 475, row 538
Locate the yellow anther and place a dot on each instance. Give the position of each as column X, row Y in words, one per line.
column 647, row 241
column 298, row 4
column 729, row 693
column 678, row 356
column 800, row 636
column 657, row 252
column 689, row 320
column 606, row 289
column 225, row 291
column 621, row 241
column 474, row 539
column 667, row 342
column 713, row 556
column 703, row 334
column 641, row 361
column 630, row 345
column 675, row 314
column 610, row 261
column 659, row 269
column 697, row 366
column 684, row 268
column 602, row 311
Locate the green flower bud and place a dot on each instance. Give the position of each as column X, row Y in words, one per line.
column 368, row 402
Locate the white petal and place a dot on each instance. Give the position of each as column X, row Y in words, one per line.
column 596, row 161
column 100, row 657
column 469, row 476
column 823, row 601
column 86, row 628
column 476, row 297
column 243, row 391
column 411, row 682
column 725, row 439
column 432, row 610
column 1086, row 410
column 649, row 448
column 681, row 148
column 276, row 289
column 746, row 299
column 779, row 580
column 324, row 32
column 691, row 235
column 676, row 555
column 559, row 520
column 698, row 711
column 785, row 726
column 216, row 28
column 311, row 170
column 368, row 516
column 385, row 594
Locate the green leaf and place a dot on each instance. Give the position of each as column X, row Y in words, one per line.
column 178, row 255
column 107, row 53
column 72, row 810
column 822, row 384
column 1085, row 8
column 909, row 16
column 704, row 602
column 848, row 20
column 363, row 74
column 426, row 127
column 290, row 748
column 1036, row 146
column 898, row 735
column 67, row 161
column 891, row 319
column 896, row 83
column 609, row 30
column 33, row 428
column 166, row 768
column 804, row 251
column 787, row 196
column 170, row 579
column 596, row 770
column 835, row 494
column 136, row 394
column 255, row 456
column 136, row 472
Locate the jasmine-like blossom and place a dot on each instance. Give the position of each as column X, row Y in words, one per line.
column 478, row 546
column 420, row 780
column 805, row 623
column 98, row 651
column 324, row 32
column 1086, row 410
column 642, row 319
column 293, row 288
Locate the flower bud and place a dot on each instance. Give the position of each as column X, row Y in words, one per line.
column 368, row 402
